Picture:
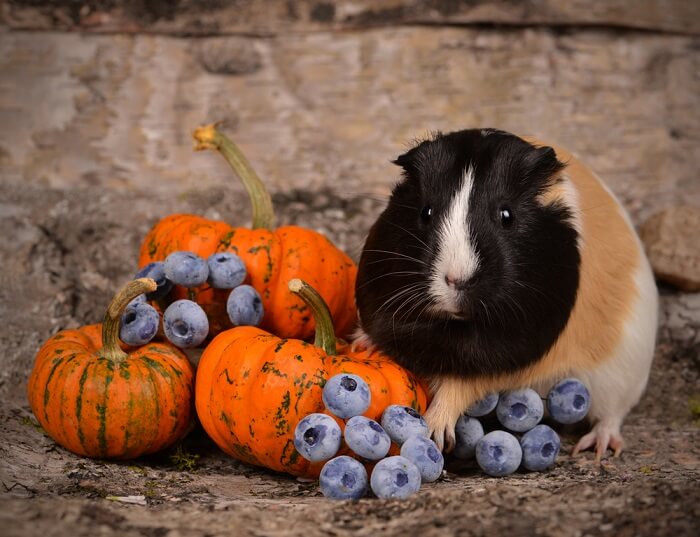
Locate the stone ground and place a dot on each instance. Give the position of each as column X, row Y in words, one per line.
column 96, row 102
column 69, row 253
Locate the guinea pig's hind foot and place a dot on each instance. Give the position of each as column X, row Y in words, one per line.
column 602, row 436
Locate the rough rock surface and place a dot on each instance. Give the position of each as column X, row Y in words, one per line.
column 673, row 246
column 326, row 109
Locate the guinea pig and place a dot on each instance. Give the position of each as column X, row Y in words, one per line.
column 500, row 263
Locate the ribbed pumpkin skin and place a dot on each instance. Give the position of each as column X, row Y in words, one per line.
column 98, row 408
column 272, row 258
column 253, row 388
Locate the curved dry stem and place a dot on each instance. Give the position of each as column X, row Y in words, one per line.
column 110, row 326
column 209, row 137
column 325, row 334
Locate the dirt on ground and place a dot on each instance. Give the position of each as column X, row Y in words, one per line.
column 66, row 252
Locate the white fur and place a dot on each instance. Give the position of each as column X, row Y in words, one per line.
column 456, row 258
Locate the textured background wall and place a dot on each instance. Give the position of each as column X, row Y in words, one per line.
column 327, row 93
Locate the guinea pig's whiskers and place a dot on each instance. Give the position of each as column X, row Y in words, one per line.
column 395, row 273
column 486, row 311
column 428, row 302
column 406, row 301
column 410, row 233
column 406, row 289
column 510, row 302
column 417, row 304
column 393, row 258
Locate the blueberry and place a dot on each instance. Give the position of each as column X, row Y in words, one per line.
column 568, row 401
column 498, row 453
column 395, row 477
column 140, row 299
column 185, row 323
column 226, row 270
column 346, row 395
column 468, row 432
column 423, row 452
column 520, row 410
column 343, row 478
column 483, row 406
column 367, row 438
column 139, row 323
column 186, row 269
column 540, row 448
column 402, row 422
column 156, row 271
column 317, row 437
column 244, row 306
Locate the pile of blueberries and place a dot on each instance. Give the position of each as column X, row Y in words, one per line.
column 318, row 437
column 185, row 323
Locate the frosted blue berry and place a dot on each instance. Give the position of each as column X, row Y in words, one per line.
column 520, row 410
column 346, row 395
column 483, row 406
column 226, row 270
column 423, row 452
column 343, row 478
column 185, row 324
column 317, row 437
column 540, row 448
column 140, row 299
column 139, row 324
column 402, row 422
column 468, row 431
column 244, row 306
column 186, row 269
column 568, row 401
column 395, row 477
column 367, row 438
column 498, row 453
column 156, row 271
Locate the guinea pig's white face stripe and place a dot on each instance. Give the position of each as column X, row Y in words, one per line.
column 456, row 258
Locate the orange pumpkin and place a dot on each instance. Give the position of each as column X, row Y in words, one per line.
column 97, row 400
column 272, row 257
column 253, row 388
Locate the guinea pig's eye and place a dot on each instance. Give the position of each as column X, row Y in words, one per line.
column 506, row 217
column 426, row 213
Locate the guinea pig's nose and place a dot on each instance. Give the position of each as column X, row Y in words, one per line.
column 457, row 283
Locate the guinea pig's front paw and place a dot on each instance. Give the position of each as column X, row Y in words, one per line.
column 441, row 424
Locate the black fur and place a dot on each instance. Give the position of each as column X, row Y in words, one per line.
column 520, row 298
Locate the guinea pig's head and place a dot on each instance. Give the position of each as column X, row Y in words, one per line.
column 473, row 266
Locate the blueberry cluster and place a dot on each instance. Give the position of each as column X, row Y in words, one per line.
column 185, row 323
column 499, row 452
column 318, row 437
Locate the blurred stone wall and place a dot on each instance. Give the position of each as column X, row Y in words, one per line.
column 324, row 94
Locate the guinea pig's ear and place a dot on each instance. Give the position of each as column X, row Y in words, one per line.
column 543, row 161
column 403, row 161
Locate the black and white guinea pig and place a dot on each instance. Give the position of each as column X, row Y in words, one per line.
column 500, row 263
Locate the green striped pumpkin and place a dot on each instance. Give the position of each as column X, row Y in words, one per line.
column 97, row 400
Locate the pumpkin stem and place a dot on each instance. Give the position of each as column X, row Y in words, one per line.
column 209, row 137
column 325, row 335
column 110, row 327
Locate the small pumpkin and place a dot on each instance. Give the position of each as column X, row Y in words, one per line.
column 97, row 400
column 253, row 387
column 272, row 256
